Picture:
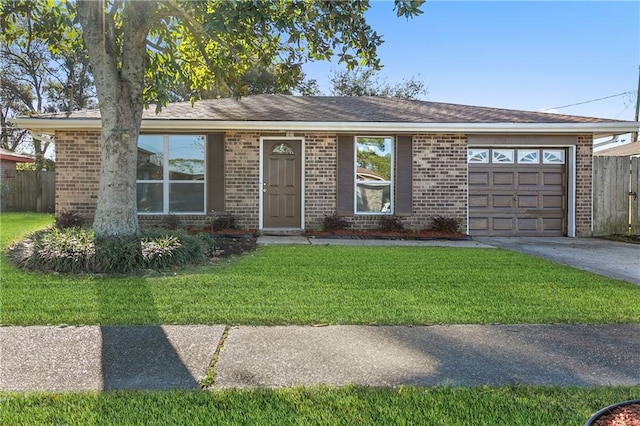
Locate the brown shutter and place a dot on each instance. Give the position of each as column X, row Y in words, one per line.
column 215, row 172
column 404, row 178
column 345, row 175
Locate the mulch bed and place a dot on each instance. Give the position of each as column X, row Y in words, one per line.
column 376, row 234
column 624, row 415
column 228, row 242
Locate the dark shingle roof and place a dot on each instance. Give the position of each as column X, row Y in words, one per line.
column 343, row 109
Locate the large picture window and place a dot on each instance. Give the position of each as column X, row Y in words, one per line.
column 373, row 175
column 170, row 175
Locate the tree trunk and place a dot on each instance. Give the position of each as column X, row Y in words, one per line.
column 118, row 67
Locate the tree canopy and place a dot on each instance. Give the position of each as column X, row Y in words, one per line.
column 139, row 50
column 38, row 77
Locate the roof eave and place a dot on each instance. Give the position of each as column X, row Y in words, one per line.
column 599, row 129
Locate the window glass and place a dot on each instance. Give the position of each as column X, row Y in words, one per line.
column 283, row 148
column 150, row 197
column 373, row 174
column 477, row 156
column 528, row 156
column 553, row 156
column 186, row 157
column 502, row 156
column 186, row 197
column 171, row 170
column 150, row 157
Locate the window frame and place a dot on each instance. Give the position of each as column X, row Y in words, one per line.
column 167, row 182
column 390, row 183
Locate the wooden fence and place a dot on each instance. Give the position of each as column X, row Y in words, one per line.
column 30, row 191
column 616, row 195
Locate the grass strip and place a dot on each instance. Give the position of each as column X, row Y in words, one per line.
column 327, row 285
column 514, row 405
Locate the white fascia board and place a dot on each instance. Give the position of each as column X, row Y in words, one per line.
column 599, row 129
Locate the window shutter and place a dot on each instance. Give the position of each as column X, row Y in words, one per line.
column 345, row 175
column 215, row 172
column 404, row 178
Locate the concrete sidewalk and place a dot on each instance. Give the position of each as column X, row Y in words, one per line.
column 177, row 357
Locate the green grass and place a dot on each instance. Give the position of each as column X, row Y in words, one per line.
column 323, row 285
column 304, row 285
column 520, row 405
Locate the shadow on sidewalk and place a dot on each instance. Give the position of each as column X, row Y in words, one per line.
column 138, row 357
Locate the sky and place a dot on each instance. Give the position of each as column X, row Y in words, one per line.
column 535, row 55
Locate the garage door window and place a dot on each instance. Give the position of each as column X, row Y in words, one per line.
column 553, row 156
column 504, row 156
column 528, row 156
column 478, row 156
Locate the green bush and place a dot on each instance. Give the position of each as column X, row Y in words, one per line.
column 68, row 220
column 449, row 225
column 224, row 221
column 391, row 224
column 334, row 223
column 75, row 250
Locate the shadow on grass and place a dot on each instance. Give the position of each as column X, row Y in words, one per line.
column 137, row 357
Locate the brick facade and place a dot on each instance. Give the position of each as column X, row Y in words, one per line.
column 77, row 172
column 439, row 178
column 242, row 177
column 584, row 186
column 439, row 172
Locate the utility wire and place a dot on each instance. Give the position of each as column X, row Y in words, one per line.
column 588, row 102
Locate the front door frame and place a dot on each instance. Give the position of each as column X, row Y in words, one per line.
column 302, row 179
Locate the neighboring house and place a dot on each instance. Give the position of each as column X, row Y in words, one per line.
column 627, row 150
column 8, row 161
column 282, row 163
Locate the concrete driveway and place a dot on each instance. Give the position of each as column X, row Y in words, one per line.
column 608, row 258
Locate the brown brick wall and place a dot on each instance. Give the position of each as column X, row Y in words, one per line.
column 439, row 178
column 77, row 172
column 321, row 168
column 584, row 185
column 242, row 175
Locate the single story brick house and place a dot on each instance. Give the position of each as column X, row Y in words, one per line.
column 281, row 163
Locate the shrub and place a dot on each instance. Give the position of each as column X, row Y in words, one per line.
column 117, row 255
column 77, row 250
column 68, row 220
column 224, row 221
column 334, row 223
column 391, row 224
column 449, row 225
column 61, row 250
column 171, row 222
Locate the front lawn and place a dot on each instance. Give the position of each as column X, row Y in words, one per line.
column 508, row 405
column 322, row 285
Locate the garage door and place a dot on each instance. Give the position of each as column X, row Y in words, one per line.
column 517, row 191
